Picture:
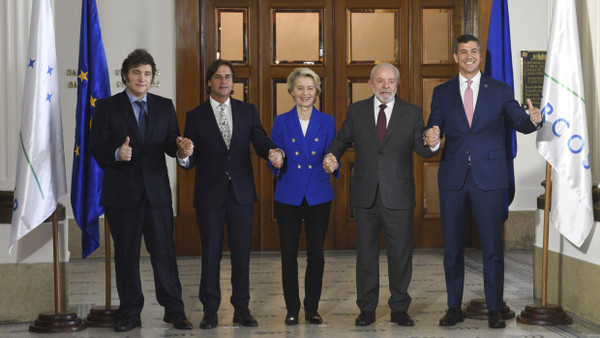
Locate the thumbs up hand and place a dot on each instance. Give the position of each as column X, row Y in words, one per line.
column 534, row 113
column 124, row 153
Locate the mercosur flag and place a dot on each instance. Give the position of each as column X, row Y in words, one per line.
column 563, row 141
column 41, row 178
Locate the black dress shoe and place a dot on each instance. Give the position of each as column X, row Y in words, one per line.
column 291, row 319
column 128, row 324
column 179, row 321
column 495, row 320
column 314, row 318
column 244, row 317
column 453, row 315
column 210, row 320
column 402, row 318
column 365, row 318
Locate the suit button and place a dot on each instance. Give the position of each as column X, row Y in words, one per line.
column 296, row 153
column 313, row 152
column 299, row 166
column 316, row 139
column 293, row 140
column 309, row 166
column 467, row 152
column 470, row 135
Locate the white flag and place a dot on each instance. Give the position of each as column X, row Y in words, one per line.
column 41, row 179
column 563, row 141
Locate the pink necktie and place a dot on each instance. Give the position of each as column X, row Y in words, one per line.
column 381, row 122
column 469, row 102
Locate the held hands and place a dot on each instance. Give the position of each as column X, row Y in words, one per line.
column 124, row 153
column 276, row 158
column 330, row 163
column 432, row 136
column 534, row 113
column 185, row 147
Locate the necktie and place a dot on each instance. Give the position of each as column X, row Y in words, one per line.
column 224, row 126
column 381, row 122
column 469, row 102
column 142, row 119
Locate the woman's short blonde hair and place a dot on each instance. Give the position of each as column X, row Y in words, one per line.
column 303, row 71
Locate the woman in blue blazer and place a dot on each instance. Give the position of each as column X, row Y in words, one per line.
column 303, row 191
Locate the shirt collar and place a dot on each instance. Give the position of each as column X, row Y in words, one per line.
column 388, row 104
column 476, row 79
column 214, row 103
column 132, row 98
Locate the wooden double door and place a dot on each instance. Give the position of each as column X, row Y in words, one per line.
column 341, row 40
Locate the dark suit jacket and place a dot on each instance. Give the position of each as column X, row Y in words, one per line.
column 302, row 174
column 213, row 160
column 484, row 140
column 125, row 182
column 387, row 165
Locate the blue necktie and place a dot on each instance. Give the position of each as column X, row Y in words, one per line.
column 142, row 120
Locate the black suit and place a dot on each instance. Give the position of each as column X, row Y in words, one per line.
column 224, row 193
column 383, row 195
column 137, row 197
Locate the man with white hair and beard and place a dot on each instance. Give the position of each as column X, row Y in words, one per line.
column 384, row 130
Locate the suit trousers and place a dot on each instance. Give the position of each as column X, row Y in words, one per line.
column 487, row 211
column 156, row 225
column 397, row 229
column 316, row 219
column 211, row 223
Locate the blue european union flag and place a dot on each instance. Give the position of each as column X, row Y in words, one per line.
column 498, row 65
column 93, row 83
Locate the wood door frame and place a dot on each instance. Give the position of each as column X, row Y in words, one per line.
column 193, row 55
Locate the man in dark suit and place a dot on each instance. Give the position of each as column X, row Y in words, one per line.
column 221, row 130
column 130, row 135
column 470, row 111
column 384, row 130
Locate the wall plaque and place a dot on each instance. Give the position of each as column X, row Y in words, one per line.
column 532, row 77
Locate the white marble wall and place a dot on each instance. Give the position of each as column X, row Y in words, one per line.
column 125, row 25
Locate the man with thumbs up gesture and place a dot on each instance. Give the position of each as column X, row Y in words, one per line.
column 131, row 133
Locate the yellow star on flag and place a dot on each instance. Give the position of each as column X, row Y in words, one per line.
column 83, row 76
column 77, row 150
column 92, row 101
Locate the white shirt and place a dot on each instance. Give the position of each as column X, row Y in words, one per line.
column 304, row 125
column 474, row 86
column 217, row 110
column 184, row 162
column 388, row 110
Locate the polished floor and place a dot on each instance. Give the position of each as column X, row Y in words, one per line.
column 337, row 307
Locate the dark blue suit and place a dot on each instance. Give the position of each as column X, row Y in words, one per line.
column 303, row 192
column 479, row 182
column 224, row 192
column 137, row 196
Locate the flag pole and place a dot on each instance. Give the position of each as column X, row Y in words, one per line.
column 544, row 313
column 57, row 321
column 104, row 316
